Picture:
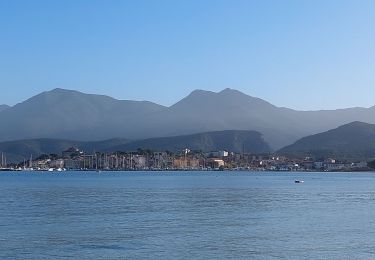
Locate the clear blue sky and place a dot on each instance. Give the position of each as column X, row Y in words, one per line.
column 307, row 54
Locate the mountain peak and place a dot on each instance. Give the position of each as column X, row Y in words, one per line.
column 224, row 92
column 57, row 93
column 233, row 93
column 200, row 92
column 63, row 91
column 226, row 99
column 229, row 91
column 59, row 90
column 68, row 94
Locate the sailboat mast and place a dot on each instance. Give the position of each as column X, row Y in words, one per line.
column 31, row 161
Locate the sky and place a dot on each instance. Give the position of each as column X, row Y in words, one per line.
column 307, row 55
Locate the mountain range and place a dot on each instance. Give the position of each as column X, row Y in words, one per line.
column 72, row 115
column 353, row 141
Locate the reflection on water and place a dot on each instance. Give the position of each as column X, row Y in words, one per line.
column 187, row 216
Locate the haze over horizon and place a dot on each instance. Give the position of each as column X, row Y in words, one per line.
column 300, row 55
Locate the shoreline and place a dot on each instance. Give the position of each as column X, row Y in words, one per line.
column 180, row 170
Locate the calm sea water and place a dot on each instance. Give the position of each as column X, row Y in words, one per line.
column 187, row 215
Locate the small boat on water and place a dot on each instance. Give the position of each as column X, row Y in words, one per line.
column 6, row 169
column 298, row 181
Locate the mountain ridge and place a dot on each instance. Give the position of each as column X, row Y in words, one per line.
column 70, row 114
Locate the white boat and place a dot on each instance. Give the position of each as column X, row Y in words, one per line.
column 298, row 181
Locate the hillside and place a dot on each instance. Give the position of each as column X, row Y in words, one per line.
column 352, row 141
column 236, row 141
column 230, row 140
column 17, row 151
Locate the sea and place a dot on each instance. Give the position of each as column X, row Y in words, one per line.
column 187, row 215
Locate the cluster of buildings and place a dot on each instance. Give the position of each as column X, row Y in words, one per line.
column 75, row 159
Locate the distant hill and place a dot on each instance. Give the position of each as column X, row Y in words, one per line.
column 236, row 141
column 230, row 140
column 71, row 115
column 351, row 141
column 205, row 111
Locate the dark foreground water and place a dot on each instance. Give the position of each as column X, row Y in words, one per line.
column 187, row 216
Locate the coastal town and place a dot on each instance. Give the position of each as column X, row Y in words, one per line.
column 74, row 159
